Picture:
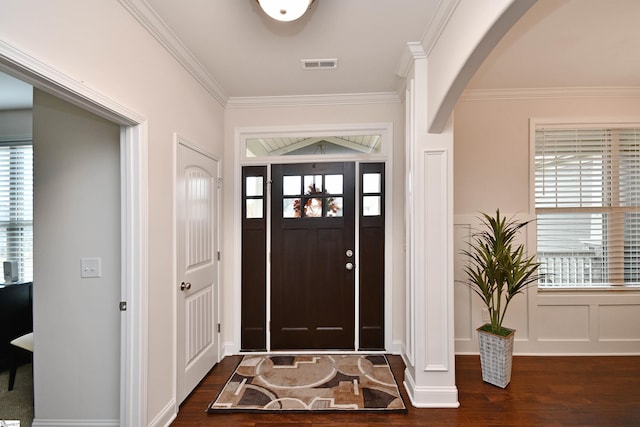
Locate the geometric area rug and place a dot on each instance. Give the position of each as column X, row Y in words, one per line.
column 307, row 383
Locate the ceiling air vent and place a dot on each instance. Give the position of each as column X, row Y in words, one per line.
column 319, row 64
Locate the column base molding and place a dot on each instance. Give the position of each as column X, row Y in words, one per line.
column 430, row 396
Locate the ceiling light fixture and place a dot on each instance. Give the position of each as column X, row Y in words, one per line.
column 285, row 10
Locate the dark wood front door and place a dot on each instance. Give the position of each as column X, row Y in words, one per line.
column 313, row 256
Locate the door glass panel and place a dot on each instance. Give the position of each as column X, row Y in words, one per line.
column 371, row 205
column 334, row 206
column 290, row 208
column 254, row 186
column 254, row 208
column 313, row 208
column 312, row 184
column 371, row 183
column 333, row 184
column 291, row 185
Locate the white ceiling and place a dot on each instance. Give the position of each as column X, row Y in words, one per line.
column 237, row 51
column 251, row 55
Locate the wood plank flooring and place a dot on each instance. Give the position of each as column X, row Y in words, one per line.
column 544, row 391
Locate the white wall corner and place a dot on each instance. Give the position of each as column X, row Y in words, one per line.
column 166, row 416
column 229, row 348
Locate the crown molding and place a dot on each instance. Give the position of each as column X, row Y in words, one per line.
column 314, row 100
column 150, row 20
column 549, row 93
column 429, row 38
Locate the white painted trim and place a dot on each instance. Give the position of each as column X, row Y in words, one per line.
column 134, row 209
column 396, row 347
column 314, row 100
column 550, row 93
column 429, row 38
column 385, row 156
column 430, row 396
column 435, row 201
column 35, row 72
column 135, row 250
column 75, row 423
column 150, row 20
column 474, row 28
column 164, row 417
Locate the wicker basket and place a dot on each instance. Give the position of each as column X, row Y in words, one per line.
column 495, row 357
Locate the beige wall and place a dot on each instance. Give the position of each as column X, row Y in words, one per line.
column 77, row 216
column 101, row 45
column 15, row 125
column 492, row 171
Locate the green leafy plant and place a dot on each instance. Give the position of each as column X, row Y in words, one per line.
column 498, row 269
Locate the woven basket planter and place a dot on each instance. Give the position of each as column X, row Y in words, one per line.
column 496, row 353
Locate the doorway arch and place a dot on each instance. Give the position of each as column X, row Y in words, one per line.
column 134, row 249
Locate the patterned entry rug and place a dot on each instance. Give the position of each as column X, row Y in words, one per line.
column 310, row 383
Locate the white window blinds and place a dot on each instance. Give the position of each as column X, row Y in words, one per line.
column 16, row 207
column 587, row 193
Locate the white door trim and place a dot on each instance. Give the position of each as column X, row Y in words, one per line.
column 240, row 159
column 134, row 209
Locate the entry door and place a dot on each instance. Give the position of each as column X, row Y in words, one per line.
column 312, row 256
column 197, row 267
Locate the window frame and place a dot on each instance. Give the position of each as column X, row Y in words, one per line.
column 576, row 123
column 18, row 218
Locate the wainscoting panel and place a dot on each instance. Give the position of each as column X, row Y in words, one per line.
column 619, row 323
column 463, row 294
column 563, row 323
column 603, row 322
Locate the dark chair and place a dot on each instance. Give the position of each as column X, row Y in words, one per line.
column 21, row 346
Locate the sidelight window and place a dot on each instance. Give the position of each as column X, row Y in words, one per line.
column 254, row 197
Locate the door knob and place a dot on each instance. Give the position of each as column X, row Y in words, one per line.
column 349, row 266
column 185, row 285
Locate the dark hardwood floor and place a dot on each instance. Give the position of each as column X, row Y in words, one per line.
column 544, row 391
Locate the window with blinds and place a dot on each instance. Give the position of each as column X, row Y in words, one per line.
column 16, row 207
column 587, row 197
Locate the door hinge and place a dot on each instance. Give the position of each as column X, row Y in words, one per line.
column 123, row 306
column 219, row 181
column 218, row 255
column 219, row 327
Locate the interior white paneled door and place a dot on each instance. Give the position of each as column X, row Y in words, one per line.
column 197, row 267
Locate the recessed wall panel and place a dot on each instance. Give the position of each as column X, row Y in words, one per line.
column 619, row 322
column 563, row 323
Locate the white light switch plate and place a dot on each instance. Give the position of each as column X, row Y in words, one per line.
column 90, row 267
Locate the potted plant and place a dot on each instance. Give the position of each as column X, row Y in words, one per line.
column 498, row 270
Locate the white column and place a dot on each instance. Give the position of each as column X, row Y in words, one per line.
column 429, row 343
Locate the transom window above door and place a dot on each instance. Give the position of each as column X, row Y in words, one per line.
column 314, row 146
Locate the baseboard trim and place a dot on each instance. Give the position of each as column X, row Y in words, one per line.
column 430, row 397
column 166, row 416
column 74, row 423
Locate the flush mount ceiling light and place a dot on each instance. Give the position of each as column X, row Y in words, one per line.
column 285, row 10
